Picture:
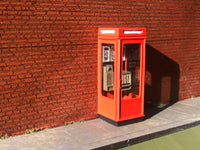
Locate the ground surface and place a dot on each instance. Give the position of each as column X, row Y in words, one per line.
column 98, row 134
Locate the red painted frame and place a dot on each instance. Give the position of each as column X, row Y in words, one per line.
column 118, row 109
column 133, row 107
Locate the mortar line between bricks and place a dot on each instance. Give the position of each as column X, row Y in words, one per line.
column 47, row 46
column 182, row 39
column 91, row 43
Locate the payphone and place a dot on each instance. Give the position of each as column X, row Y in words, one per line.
column 121, row 68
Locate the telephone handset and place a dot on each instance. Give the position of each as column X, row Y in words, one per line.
column 108, row 81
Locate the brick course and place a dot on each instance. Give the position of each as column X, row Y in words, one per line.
column 48, row 55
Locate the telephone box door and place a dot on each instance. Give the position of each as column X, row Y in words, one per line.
column 132, row 78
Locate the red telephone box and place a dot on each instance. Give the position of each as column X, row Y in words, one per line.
column 121, row 70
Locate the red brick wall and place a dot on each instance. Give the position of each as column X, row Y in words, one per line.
column 48, row 56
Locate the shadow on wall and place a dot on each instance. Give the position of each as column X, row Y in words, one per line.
column 161, row 81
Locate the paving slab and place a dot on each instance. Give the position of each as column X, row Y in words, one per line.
column 98, row 134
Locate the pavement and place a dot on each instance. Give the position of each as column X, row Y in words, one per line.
column 98, row 134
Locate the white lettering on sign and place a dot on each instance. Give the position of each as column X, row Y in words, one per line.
column 107, row 31
column 133, row 32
